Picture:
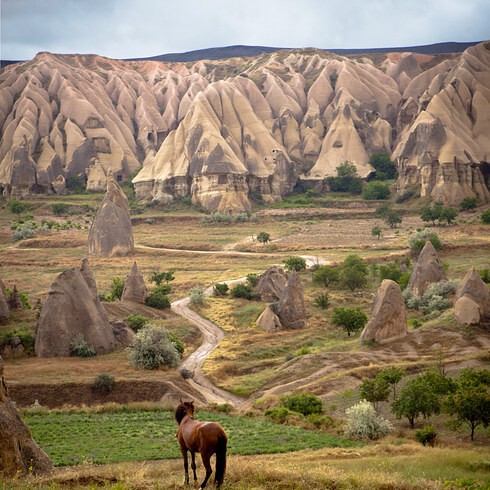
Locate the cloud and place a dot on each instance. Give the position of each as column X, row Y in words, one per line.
column 138, row 28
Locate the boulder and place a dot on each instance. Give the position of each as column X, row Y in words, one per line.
column 15, row 302
column 4, row 307
column 427, row 270
column 467, row 311
column 20, row 453
column 268, row 320
column 134, row 286
column 71, row 310
column 388, row 320
column 59, row 185
column 271, row 284
column 472, row 299
column 111, row 233
column 290, row 309
column 122, row 333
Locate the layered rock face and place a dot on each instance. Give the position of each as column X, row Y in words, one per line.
column 388, row 319
column 271, row 284
column 20, row 453
column 72, row 308
column 111, row 233
column 4, row 307
column 223, row 131
column 472, row 299
column 427, row 270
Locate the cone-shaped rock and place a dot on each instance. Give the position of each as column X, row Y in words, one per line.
column 88, row 275
column 4, row 307
column 472, row 299
column 111, row 233
column 19, row 452
column 388, row 320
column 134, row 286
column 268, row 320
column 71, row 309
column 427, row 270
column 291, row 307
column 271, row 284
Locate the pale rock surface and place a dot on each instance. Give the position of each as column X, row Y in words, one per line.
column 388, row 319
column 20, row 454
column 428, row 269
column 268, row 320
column 4, row 307
column 271, row 284
column 467, row 311
column 290, row 309
column 134, row 286
column 472, row 299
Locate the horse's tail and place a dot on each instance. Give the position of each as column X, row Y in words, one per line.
column 221, row 459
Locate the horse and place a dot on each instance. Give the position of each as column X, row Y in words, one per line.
column 207, row 438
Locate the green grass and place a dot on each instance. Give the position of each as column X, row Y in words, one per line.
column 72, row 438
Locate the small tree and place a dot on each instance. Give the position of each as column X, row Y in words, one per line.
column 263, row 237
column 17, row 207
column 346, row 180
column 417, row 242
column 375, row 390
column 364, row 423
column 158, row 277
column 116, row 289
column 220, row 289
column 158, row 298
column 393, row 218
column 376, row 231
column 470, row 402
column 448, row 215
column 304, row 403
column 392, row 376
column 326, row 274
column 485, row 217
column 295, row 264
column 354, row 272
column 136, row 322
column 196, row 295
column 242, row 291
column 468, row 204
column 375, row 190
column 59, row 208
column 322, row 301
column 350, row 319
column 384, row 166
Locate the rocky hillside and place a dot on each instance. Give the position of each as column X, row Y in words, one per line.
column 221, row 130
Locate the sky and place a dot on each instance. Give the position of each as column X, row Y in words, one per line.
column 144, row 28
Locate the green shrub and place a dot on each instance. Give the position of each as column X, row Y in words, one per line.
column 152, row 348
column 186, row 373
column 485, row 217
column 322, row 301
column 116, row 291
column 417, row 241
column 346, row 180
column 374, row 190
column 278, row 414
column 304, row 403
column 103, row 384
column 294, row 263
column 354, row 272
column 59, row 208
column 196, row 295
column 17, row 207
column 252, row 279
column 81, row 348
column 485, row 275
column 384, row 166
column 242, row 291
column 263, row 237
column 220, row 289
column 321, row 421
column 326, row 274
column 158, row 277
column 23, row 232
column 364, row 423
column 350, row 319
column 136, row 322
column 176, row 342
column 158, row 298
column 468, row 203
column 426, row 435
column 217, row 218
column 76, row 184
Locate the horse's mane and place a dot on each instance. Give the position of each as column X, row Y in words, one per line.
column 180, row 413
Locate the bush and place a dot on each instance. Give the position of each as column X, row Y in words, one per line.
column 485, row 275
column 158, row 298
column 252, row 279
column 393, row 218
column 23, row 231
column 157, row 277
column 263, row 237
column 326, row 274
column 220, row 289
column 278, row 414
column 17, row 207
column 152, row 349
column 103, row 384
column 385, row 168
column 354, row 272
column 81, row 348
column 346, row 180
column 350, row 319
column 186, row 373
column 76, row 184
column 59, row 208
column 321, row 421
column 468, row 203
column 304, row 403
column 294, row 264
column 116, row 289
column 364, row 423
column 375, row 190
column 242, row 291
column 176, row 342
column 426, row 435
column 218, row 218
column 196, row 295
column 485, row 217
column 136, row 322
column 417, row 242
column 322, row 301
column 404, row 196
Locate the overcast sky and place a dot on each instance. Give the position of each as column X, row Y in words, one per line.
column 142, row 28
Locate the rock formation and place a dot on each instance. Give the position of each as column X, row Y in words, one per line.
column 134, row 286
column 290, row 309
column 4, row 307
column 111, row 233
column 71, row 309
column 268, row 320
column 15, row 303
column 19, row 453
column 472, row 299
column 122, row 333
column 388, row 319
column 223, row 131
column 427, row 270
column 271, row 284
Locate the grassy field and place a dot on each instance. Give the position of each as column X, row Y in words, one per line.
column 101, row 437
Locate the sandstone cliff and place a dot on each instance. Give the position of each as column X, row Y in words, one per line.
column 221, row 131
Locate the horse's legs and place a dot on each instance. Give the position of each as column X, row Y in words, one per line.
column 206, row 461
column 186, row 465
column 193, row 464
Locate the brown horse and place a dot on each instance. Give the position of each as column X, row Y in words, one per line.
column 207, row 438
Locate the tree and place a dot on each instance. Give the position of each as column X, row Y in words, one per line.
column 468, row 204
column 59, row 208
column 375, row 390
column 346, row 180
column 305, row 403
column 17, row 207
column 448, row 214
column 220, row 289
column 326, row 274
column 158, row 298
column 350, row 319
column 375, row 190
column 354, row 272
column 393, row 218
column 382, row 163
column 392, row 376
column 158, row 277
column 390, row 271
column 485, row 217
column 364, row 423
column 470, row 402
column 382, row 210
column 376, row 231
column 427, row 214
column 417, row 241
column 295, row 264
column 263, row 237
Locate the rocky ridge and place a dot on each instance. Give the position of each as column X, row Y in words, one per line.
column 223, row 131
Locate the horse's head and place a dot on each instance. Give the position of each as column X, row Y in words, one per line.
column 183, row 409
